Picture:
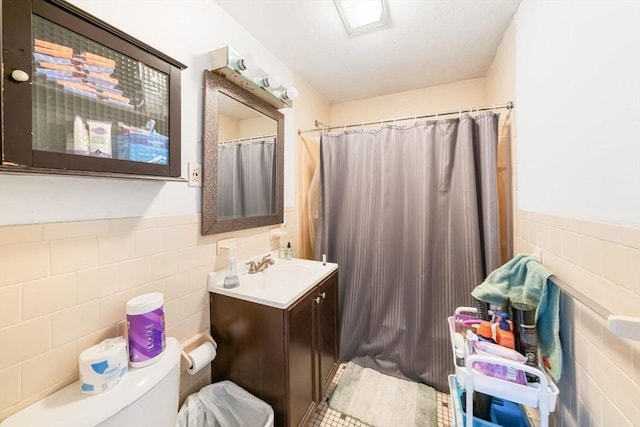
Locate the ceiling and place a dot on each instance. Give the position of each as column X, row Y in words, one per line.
column 429, row 42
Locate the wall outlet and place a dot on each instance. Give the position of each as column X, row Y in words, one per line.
column 195, row 175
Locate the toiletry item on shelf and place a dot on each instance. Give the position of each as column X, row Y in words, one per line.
column 481, row 406
column 483, row 310
column 80, row 144
column 485, row 331
column 471, row 340
column 281, row 253
column 504, row 334
column 289, row 251
column 459, row 357
column 99, row 138
column 497, row 370
column 231, row 273
column 459, row 345
column 525, row 335
column 491, row 349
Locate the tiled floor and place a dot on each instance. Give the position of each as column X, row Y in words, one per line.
column 327, row 417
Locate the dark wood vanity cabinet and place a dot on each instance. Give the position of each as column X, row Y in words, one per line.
column 82, row 97
column 286, row 357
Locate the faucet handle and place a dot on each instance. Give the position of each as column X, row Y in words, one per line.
column 267, row 258
column 252, row 266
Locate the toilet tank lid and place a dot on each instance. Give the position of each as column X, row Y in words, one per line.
column 70, row 407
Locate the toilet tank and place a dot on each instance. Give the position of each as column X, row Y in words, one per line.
column 145, row 397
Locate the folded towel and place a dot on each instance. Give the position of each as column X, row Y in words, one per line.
column 524, row 280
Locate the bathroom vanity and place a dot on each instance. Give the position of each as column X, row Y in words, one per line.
column 277, row 335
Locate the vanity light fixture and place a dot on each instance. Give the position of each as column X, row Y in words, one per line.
column 243, row 71
column 362, row 16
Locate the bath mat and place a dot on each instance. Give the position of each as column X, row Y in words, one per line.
column 383, row 401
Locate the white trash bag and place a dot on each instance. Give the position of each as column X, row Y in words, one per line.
column 224, row 404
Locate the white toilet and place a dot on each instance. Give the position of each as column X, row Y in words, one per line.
column 145, row 397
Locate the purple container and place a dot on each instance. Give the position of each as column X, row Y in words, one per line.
column 145, row 323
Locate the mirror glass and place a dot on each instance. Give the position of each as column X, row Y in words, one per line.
column 243, row 159
column 246, row 160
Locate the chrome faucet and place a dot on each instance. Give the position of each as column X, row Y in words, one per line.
column 258, row 266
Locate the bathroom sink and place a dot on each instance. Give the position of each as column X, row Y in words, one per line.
column 285, row 274
column 280, row 285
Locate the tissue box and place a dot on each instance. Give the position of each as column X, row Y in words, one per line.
column 139, row 145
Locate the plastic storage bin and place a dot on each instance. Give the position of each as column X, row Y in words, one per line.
column 504, row 413
column 224, row 404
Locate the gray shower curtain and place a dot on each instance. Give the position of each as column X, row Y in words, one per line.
column 410, row 215
column 246, row 178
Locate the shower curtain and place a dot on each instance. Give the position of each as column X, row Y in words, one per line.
column 410, row 215
column 246, row 178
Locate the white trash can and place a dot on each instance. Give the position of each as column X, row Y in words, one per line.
column 224, row 404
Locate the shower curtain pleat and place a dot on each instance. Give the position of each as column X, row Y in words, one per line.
column 399, row 212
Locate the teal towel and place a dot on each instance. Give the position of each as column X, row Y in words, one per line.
column 524, row 280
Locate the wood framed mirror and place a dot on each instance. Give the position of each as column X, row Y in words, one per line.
column 243, row 159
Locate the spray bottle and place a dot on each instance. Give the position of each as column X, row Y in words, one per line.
column 231, row 273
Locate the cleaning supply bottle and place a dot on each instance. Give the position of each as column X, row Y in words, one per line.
column 289, row 251
column 485, row 332
column 504, row 334
column 231, row 273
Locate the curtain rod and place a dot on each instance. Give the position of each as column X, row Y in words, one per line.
column 321, row 126
column 247, row 139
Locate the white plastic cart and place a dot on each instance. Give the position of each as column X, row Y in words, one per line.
column 541, row 395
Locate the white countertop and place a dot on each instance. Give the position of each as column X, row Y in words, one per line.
column 278, row 286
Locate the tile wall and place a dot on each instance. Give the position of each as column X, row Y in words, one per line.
column 600, row 385
column 64, row 287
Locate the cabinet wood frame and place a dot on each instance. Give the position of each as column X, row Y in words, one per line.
column 275, row 354
column 16, row 98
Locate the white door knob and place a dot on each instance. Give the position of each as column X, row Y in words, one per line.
column 19, row 76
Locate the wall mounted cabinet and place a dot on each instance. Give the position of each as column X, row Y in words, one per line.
column 286, row 357
column 79, row 96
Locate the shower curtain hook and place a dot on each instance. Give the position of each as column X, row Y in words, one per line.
column 460, row 113
column 494, row 108
column 436, row 115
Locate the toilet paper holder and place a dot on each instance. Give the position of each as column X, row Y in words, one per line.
column 190, row 345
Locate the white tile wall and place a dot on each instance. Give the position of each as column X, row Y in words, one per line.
column 64, row 287
column 600, row 385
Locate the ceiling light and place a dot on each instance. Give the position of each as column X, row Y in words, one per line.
column 361, row 16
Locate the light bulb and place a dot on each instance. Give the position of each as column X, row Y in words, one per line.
column 291, row 93
column 246, row 62
column 272, row 81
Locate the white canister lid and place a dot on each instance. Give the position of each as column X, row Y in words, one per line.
column 145, row 303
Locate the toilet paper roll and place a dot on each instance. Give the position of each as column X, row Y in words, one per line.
column 102, row 365
column 201, row 356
